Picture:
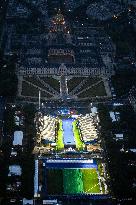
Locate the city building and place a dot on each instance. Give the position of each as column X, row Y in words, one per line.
column 60, row 66
column 128, row 2
column 105, row 10
column 70, row 5
column 50, row 41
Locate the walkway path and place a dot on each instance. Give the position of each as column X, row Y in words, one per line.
column 20, row 80
column 39, row 88
column 63, row 87
column 93, row 85
column 107, row 87
column 78, row 87
column 46, row 85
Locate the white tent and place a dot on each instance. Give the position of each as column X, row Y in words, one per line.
column 133, row 150
column 113, row 117
column 119, row 136
column 17, row 120
column 94, row 110
column 15, row 170
column 26, row 201
column 18, row 137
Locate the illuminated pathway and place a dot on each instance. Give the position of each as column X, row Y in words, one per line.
column 63, row 87
column 68, row 132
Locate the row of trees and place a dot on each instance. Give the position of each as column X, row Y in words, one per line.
column 5, row 148
column 121, row 184
column 122, row 33
column 24, row 157
column 8, row 78
column 27, row 160
column 123, row 81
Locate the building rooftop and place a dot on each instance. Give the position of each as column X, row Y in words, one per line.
column 15, row 170
column 18, row 137
column 119, row 136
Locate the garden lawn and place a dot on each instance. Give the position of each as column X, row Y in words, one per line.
column 72, row 181
column 90, row 181
column 52, row 82
column 54, row 181
column 76, row 131
column 59, row 142
column 73, row 82
column 98, row 90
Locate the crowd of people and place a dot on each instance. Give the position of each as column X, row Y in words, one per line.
column 47, row 128
column 88, row 128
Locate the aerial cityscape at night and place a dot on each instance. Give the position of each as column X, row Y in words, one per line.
column 67, row 102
